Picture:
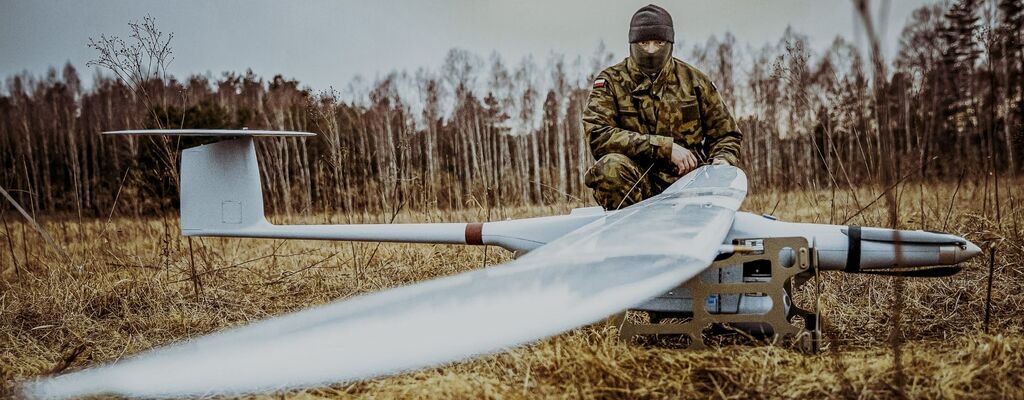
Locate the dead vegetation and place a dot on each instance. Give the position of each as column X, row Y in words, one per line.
column 132, row 285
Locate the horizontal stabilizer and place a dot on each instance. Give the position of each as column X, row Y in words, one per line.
column 208, row 132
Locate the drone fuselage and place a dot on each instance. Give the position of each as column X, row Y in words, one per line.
column 221, row 195
column 872, row 249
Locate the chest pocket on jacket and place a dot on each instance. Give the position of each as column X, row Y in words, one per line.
column 629, row 118
column 681, row 119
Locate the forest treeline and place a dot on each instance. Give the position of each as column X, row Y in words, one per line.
column 481, row 132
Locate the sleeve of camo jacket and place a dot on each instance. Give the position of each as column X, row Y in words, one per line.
column 723, row 135
column 599, row 124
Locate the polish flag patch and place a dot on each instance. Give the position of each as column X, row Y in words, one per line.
column 600, row 83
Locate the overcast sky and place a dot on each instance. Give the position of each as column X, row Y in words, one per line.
column 325, row 43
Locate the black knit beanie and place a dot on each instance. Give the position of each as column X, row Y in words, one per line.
column 651, row 23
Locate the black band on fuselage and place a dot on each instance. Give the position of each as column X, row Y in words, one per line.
column 853, row 251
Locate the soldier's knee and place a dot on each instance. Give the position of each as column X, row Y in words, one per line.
column 617, row 159
column 613, row 166
column 617, row 181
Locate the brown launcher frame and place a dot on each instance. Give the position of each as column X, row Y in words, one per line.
column 807, row 338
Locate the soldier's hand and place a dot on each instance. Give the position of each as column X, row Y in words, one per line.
column 719, row 161
column 683, row 159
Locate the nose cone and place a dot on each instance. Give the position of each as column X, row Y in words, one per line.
column 968, row 252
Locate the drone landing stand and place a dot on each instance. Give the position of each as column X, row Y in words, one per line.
column 724, row 287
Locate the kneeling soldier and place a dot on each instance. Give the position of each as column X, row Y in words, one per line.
column 652, row 118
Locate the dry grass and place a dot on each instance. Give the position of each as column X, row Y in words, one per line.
column 130, row 287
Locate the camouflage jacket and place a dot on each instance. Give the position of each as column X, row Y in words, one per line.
column 628, row 114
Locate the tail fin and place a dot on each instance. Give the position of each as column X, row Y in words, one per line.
column 220, row 188
column 220, row 182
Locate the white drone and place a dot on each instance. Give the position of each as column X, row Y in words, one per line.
column 686, row 253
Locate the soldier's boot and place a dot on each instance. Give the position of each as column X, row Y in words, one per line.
column 617, row 181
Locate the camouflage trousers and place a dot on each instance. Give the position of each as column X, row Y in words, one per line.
column 619, row 182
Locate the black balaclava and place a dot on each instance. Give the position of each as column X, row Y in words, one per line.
column 650, row 63
column 651, row 23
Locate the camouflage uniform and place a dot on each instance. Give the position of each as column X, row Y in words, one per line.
column 632, row 122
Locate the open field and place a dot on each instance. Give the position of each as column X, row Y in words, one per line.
column 132, row 285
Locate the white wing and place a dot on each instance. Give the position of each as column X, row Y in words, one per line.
column 605, row 267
